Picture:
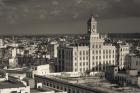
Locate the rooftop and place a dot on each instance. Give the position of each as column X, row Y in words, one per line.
column 10, row 84
column 89, row 83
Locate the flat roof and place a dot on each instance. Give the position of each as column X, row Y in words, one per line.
column 10, row 84
column 78, row 85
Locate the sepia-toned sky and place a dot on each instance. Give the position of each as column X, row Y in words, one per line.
column 68, row 16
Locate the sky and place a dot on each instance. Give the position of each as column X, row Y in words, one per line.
column 68, row 16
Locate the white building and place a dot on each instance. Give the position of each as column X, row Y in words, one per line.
column 39, row 70
column 89, row 54
column 53, row 49
column 123, row 52
column 13, row 59
column 1, row 43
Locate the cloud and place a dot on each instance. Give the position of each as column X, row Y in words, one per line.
column 55, row 12
column 78, row 1
column 75, row 15
column 67, row 9
column 42, row 16
column 55, row 3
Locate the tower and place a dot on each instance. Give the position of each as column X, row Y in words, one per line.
column 95, row 45
column 92, row 25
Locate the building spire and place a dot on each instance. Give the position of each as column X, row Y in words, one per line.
column 92, row 25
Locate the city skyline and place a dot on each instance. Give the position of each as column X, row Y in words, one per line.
column 64, row 16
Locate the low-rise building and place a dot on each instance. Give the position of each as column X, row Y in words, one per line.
column 123, row 51
column 39, row 70
column 64, row 85
column 123, row 77
column 133, row 62
column 12, row 85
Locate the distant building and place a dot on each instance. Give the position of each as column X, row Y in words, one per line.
column 64, row 85
column 133, row 62
column 1, row 43
column 8, row 85
column 13, row 59
column 39, row 70
column 89, row 53
column 11, row 87
column 123, row 51
column 52, row 49
column 111, row 72
column 123, row 77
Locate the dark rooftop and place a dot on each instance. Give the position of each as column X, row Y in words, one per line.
column 10, row 84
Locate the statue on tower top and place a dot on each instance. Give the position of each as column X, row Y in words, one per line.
column 92, row 19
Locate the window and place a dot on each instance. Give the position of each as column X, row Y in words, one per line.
column 93, row 26
column 96, row 51
column 92, row 46
column 83, row 58
column 103, row 51
column 87, row 57
column 80, row 69
column 80, row 58
column 73, row 91
column 96, row 57
column 87, row 52
column 57, row 87
column 96, row 63
column 93, row 52
column 87, row 63
column 109, row 51
column 80, row 53
column 80, row 63
column 106, row 51
column 99, row 51
column 83, row 52
column 93, row 57
column 106, row 56
column 113, row 56
column 104, row 62
column 99, row 46
column 75, row 53
column 83, row 63
column 96, row 46
column 113, row 62
column 83, row 69
column 50, row 85
column 53, row 85
column 113, row 51
column 109, row 62
column 136, row 62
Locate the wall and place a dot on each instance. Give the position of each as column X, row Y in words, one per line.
column 21, row 89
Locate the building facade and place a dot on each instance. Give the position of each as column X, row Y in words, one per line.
column 52, row 49
column 59, row 84
column 91, row 53
column 133, row 63
column 123, row 53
